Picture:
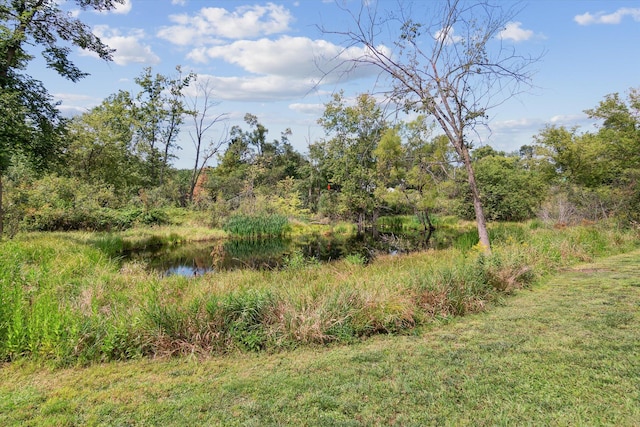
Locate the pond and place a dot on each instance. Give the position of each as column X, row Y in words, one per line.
column 203, row 257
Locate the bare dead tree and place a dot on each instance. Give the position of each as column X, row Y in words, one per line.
column 201, row 104
column 450, row 63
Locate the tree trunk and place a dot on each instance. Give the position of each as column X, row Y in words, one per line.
column 477, row 203
column 192, row 185
column 374, row 223
column 360, row 223
column 427, row 225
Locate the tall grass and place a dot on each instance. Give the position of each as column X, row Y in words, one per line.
column 272, row 225
column 63, row 300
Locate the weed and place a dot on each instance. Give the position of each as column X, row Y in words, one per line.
column 355, row 259
column 562, row 353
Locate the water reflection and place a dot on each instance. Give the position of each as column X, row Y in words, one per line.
column 199, row 258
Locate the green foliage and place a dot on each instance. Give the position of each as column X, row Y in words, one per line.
column 56, row 203
column 347, row 160
column 100, row 150
column 355, row 259
column 62, row 300
column 30, row 123
column 296, row 260
column 566, row 345
column 257, row 226
column 151, row 217
column 390, row 223
column 596, row 174
column 466, row 240
column 286, row 199
column 509, row 192
column 245, row 316
column 253, row 166
column 159, row 114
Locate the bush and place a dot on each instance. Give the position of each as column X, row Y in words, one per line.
column 508, row 191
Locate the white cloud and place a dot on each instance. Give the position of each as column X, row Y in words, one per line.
column 179, row 2
column 514, row 31
column 212, row 23
column 611, row 18
column 516, row 125
column 73, row 104
column 298, row 57
column 123, row 9
column 252, row 88
column 129, row 48
column 283, row 69
column 447, row 35
column 315, row 110
column 567, row 119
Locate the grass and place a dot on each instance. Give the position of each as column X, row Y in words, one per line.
column 255, row 226
column 564, row 352
column 64, row 301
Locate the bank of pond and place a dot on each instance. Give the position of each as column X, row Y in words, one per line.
column 279, row 250
column 268, row 253
column 68, row 298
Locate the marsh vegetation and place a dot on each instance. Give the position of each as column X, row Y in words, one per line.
column 66, row 300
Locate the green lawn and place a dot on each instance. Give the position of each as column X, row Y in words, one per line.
column 565, row 352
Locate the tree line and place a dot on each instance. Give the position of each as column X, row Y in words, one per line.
column 112, row 167
column 364, row 167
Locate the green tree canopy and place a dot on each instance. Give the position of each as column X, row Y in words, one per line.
column 31, row 124
column 347, row 156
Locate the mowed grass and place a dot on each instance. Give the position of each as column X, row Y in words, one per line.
column 562, row 352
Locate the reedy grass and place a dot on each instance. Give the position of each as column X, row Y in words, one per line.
column 257, row 226
column 565, row 352
column 65, row 301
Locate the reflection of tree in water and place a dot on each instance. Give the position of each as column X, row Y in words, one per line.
column 261, row 254
column 253, row 253
column 321, row 248
column 217, row 253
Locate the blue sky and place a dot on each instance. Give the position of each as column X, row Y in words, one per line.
column 261, row 59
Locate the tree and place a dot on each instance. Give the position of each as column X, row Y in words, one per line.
column 30, row 122
column 30, row 126
column 620, row 128
column 203, row 121
column 347, row 157
column 227, row 180
column 100, row 148
column 161, row 111
column 454, row 68
column 509, row 191
column 430, row 164
column 598, row 171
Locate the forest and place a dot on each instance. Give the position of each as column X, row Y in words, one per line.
column 110, row 169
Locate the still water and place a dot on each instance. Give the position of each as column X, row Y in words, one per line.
column 203, row 257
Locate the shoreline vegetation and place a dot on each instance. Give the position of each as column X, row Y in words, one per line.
column 65, row 301
column 563, row 352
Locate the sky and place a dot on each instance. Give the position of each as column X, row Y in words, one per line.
column 263, row 58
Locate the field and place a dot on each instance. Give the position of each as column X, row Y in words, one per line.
column 528, row 335
column 564, row 352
